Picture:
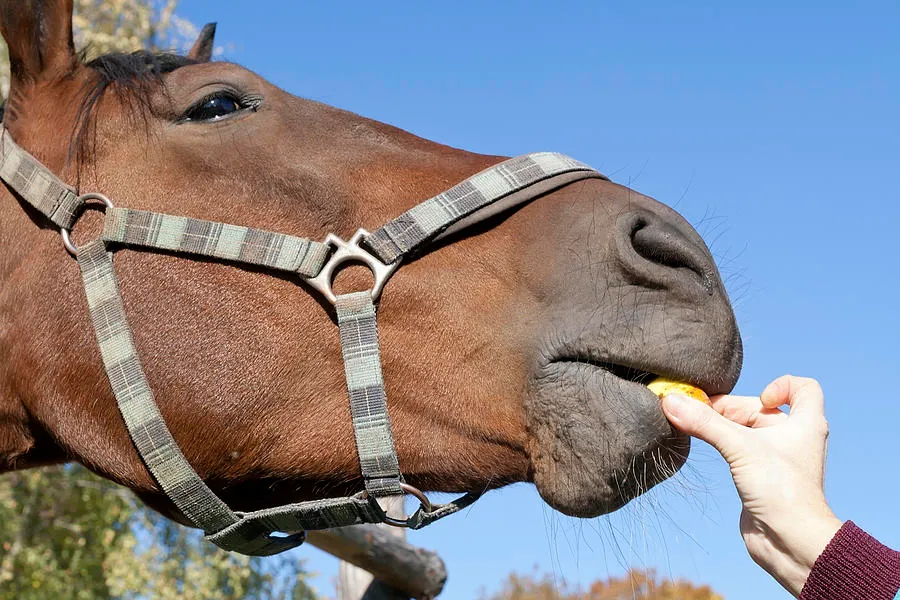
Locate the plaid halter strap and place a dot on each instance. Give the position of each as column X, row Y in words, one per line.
column 274, row 530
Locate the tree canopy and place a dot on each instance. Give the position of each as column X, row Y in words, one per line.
column 66, row 533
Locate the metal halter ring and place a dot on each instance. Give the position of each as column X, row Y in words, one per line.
column 65, row 233
column 350, row 251
column 412, row 491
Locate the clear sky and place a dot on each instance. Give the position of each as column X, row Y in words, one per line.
column 774, row 127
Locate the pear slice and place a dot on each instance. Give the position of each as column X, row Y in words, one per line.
column 662, row 386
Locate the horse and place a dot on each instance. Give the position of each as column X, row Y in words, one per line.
column 514, row 350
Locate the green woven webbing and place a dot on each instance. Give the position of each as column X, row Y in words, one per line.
column 219, row 240
column 539, row 172
column 251, row 535
column 36, row 183
column 368, row 402
column 421, row 518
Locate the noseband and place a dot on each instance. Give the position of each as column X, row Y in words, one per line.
column 492, row 191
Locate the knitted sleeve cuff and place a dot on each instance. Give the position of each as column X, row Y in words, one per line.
column 855, row 566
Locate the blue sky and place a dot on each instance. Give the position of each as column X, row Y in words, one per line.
column 774, row 127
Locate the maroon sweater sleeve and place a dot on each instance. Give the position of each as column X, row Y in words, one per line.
column 854, row 566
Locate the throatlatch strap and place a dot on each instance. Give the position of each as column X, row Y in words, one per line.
column 219, row 240
column 36, row 184
column 427, row 220
column 368, row 401
column 145, row 424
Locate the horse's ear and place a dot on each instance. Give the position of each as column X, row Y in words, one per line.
column 203, row 48
column 39, row 36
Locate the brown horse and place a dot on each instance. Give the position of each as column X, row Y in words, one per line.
column 511, row 353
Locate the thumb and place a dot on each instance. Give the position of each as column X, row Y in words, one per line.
column 702, row 421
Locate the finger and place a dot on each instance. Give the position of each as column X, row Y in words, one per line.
column 776, row 393
column 703, row 422
column 802, row 394
column 748, row 411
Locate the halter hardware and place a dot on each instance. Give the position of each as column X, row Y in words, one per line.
column 424, row 503
column 350, row 251
column 498, row 188
column 65, row 232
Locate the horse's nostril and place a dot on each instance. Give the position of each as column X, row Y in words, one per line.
column 669, row 252
column 661, row 247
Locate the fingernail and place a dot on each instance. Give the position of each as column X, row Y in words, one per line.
column 675, row 404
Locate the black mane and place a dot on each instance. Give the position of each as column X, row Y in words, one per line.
column 140, row 67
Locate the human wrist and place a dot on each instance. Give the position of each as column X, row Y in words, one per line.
column 789, row 553
column 808, row 539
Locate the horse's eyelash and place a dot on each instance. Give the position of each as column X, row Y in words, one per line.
column 251, row 101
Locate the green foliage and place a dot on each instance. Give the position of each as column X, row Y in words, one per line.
column 57, row 534
column 66, row 533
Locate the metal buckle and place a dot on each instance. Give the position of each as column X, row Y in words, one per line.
column 64, row 233
column 350, row 251
column 412, row 491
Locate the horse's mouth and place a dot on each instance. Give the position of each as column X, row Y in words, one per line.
column 626, row 372
column 631, row 372
column 598, row 436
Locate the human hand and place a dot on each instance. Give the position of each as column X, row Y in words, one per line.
column 777, row 461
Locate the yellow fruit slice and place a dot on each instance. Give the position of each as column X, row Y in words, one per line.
column 662, row 386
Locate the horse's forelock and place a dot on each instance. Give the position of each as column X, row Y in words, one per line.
column 134, row 78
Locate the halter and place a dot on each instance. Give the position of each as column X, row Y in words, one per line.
column 273, row 530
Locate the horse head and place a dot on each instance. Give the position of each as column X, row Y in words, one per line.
column 514, row 350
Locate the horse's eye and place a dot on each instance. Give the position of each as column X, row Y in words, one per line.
column 213, row 108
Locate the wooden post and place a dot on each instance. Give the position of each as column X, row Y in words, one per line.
column 401, row 571
column 354, row 581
